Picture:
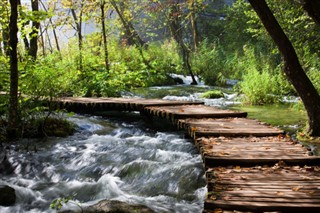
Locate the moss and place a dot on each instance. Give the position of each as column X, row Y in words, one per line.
column 58, row 127
column 212, row 94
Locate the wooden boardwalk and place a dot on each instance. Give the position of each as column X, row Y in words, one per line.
column 250, row 166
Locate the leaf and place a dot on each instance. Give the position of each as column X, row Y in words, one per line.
column 237, row 169
column 217, row 211
column 296, row 188
column 280, row 193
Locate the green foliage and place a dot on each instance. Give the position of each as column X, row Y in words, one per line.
column 212, row 94
column 258, row 88
column 48, row 77
column 4, row 73
column 209, row 62
column 262, row 81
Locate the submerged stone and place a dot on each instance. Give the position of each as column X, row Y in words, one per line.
column 7, row 195
column 112, row 206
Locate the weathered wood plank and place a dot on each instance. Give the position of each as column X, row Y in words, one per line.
column 229, row 127
column 120, row 104
column 192, row 111
column 263, row 206
column 251, row 151
column 277, row 188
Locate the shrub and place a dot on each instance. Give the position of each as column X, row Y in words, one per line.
column 259, row 88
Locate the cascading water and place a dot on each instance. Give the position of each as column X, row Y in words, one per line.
column 109, row 159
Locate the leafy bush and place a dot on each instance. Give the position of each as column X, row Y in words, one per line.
column 48, row 77
column 258, row 88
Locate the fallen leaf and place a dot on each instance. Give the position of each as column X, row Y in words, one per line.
column 280, row 193
column 237, row 169
column 217, row 211
column 223, row 153
column 311, row 192
column 213, row 197
column 296, row 188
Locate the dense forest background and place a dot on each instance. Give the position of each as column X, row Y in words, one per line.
column 106, row 47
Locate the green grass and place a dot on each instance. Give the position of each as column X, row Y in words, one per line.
column 276, row 115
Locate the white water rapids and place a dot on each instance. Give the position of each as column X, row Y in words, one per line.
column 117, row 159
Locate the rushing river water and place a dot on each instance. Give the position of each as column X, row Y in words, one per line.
column 110, row 158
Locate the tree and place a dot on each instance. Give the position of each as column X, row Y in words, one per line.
column 192, row 5
column 33, row 48
column 4, row 20
column 131, row 34
column 102, row 5
column 55, row 36
column 13, row 119
column 292, row 66
column 313, row 9
column 177, row 32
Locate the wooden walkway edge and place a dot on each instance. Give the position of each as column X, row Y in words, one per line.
column 250, row 166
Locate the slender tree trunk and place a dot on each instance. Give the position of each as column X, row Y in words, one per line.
column 24, row 36
column 5, row 28
column 131, row 34
column 53, row 28
column 49, row 42
column 13, row 120
column 104, row 35
column 292, row 66
column 6, row 38
column 42, row 41
column 33, row 50
column 78, row 22
column 176, row 31
column 313, row 9
column 194, row 26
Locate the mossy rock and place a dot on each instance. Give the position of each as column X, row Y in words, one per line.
column 58, row 127
column 213, row 94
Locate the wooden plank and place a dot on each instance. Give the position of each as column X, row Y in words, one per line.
column 103, row 104
column 192, row 111
column 277, row 188
column 262, row 206
column 229, row 127
column 250, row 151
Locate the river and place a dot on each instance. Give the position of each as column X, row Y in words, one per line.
column 117, row 157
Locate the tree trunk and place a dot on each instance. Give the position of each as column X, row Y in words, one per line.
column 292, row 66
column 313, row 9
column 53, row 28
column 24, row 36
column 33, row 50
column 42, row 41
column 12, row 130
column 194, row 26
column 104, row 35
column 6, row 38
column 176, row 31
column 78, row 22
column 131, row 34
